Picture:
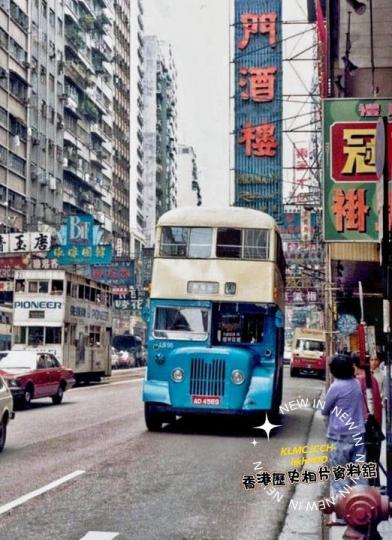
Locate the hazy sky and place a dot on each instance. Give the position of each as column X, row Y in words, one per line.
column 198, row 31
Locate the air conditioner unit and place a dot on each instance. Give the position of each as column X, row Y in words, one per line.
column 52, row 182
column 101, row 217
column 65, row 162
column 27, row 65
column 60, row 125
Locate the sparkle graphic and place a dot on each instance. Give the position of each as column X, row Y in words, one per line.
column 267, row 426
column 254, row 442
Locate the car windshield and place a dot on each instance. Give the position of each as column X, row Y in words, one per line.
column 181, row 323
column 17, row 360
column 310, row 345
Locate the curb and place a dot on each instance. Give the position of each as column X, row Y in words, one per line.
column 122, row 374
column 303, row 521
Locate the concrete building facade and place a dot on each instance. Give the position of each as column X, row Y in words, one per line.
column 160, row 134
column 189, row 191
column 14, row 95
column 88, row 113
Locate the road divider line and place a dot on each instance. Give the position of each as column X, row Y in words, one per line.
column 21, row 500
column 99, row 535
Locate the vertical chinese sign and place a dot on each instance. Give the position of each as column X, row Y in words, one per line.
column 258, row 106
column 352, row 191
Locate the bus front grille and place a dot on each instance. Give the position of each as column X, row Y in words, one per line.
column 207, row 378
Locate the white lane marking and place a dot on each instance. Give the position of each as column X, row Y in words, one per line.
column 98, row 535
column 106, row 385
column 17, row 502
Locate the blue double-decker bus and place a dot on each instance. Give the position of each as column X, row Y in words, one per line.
column 216, row 316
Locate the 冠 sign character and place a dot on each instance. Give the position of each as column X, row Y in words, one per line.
column 259, row 140
column 360, row 149
column 258, row 23
column 350, row 209
column 258, row 84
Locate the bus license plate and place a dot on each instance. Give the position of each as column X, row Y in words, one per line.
column 206, row 400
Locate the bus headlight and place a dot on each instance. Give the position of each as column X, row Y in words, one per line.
column 230, row 287
column 177, row 375
column 237, row 377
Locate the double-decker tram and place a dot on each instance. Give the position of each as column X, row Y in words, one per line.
column 216, row 317
column 66, row 314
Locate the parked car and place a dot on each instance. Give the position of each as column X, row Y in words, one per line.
column 6, row 411
column 33, row 375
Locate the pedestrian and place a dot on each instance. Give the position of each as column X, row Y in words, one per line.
column 378, row 373
column 373, row 417
column 345, row 410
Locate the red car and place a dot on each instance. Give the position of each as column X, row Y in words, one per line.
column 33, row 375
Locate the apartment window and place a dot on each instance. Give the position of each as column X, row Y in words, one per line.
column 3, row 116
column 43, row 75
column 44, row 8
column 51, row 82
column 52, row 18
column 59, row 26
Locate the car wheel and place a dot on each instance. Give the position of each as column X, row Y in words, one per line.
column 27, row 397
column 3, row 433
column 58, row 397
column 293, row 372
column 152, row 418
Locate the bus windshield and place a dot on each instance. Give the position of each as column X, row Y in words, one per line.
column 310, row 345
column 181, row 323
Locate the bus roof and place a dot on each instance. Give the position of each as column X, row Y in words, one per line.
column 231, row 216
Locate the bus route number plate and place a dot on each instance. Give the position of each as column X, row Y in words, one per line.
column 206, row 400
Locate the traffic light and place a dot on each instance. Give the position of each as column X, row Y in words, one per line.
column 340, row 269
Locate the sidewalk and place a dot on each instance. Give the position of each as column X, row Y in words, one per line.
column 304, row 522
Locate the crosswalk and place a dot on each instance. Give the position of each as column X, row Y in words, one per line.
column 99, row 535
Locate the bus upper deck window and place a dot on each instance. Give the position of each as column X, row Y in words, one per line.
column 228, row 243
column 43, row 286
column 20, row 285
column 200, row 242
column 174, row 241
column 255, row 243
column 81, row 292
column 87, row 292
column 57, row 286
column 33, row 286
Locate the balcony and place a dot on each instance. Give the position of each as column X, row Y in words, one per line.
column 74, row 38
column 89, row 110
column 88, row 5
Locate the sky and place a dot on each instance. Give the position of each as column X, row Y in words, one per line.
column 199, row 34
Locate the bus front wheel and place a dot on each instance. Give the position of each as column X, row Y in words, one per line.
column 152, row 418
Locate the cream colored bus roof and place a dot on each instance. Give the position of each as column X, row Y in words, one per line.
column 217, row 217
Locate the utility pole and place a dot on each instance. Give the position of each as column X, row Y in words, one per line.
column 386, row 265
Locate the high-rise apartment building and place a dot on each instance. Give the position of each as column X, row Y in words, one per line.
column 88, row 115
column 121, row 142
column 137, row 205
column 45, row 114
column 189, row 192
column 160, row 135
column 14, row 76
